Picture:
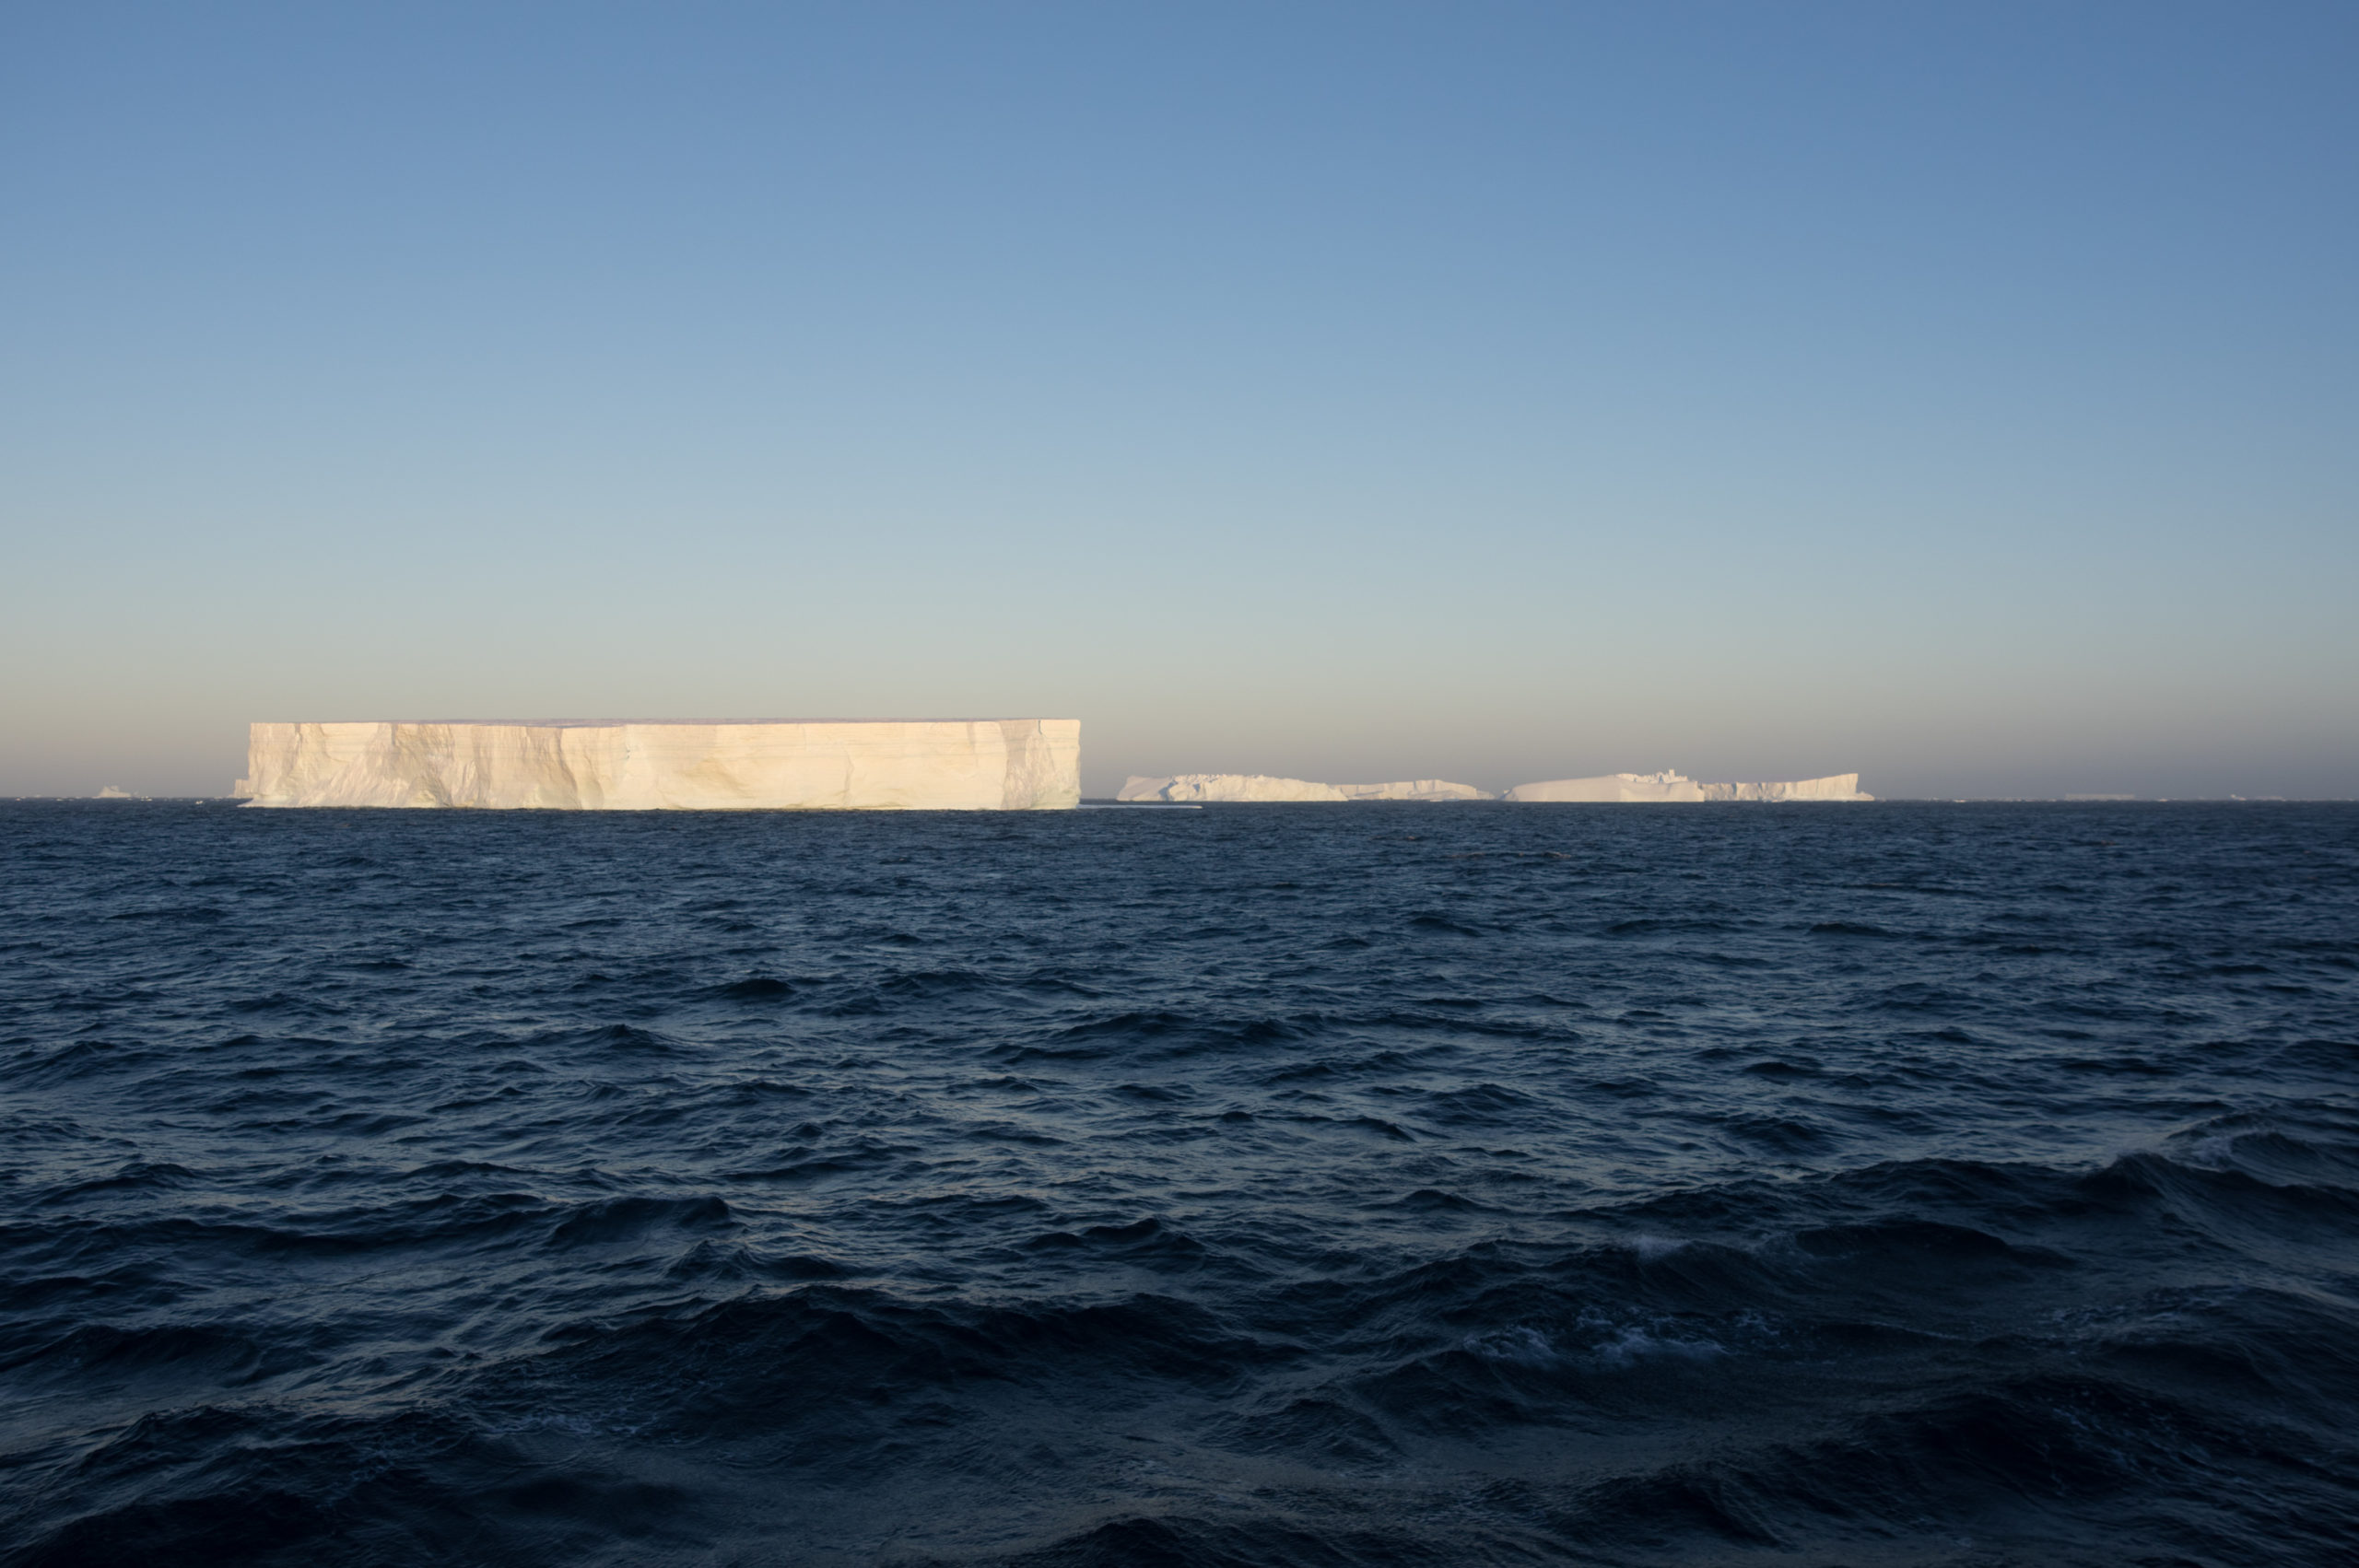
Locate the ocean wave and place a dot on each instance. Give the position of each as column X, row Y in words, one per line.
column 1244, row 1188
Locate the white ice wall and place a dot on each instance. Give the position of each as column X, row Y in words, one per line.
column 953, row 763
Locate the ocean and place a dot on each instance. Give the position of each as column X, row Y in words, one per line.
column 1897, row 1184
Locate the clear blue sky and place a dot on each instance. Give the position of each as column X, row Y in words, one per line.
column 1963, row 394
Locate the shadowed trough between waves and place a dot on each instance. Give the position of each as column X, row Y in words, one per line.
column 1272, row 1185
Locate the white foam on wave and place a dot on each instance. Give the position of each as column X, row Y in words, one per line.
column 1634, row 1344
column 1521, row 1343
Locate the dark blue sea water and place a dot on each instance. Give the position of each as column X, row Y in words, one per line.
column 1280, row 1184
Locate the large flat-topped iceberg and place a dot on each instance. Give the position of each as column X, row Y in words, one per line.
column 1669, row 786
column 753, row 765
column 1228, row 788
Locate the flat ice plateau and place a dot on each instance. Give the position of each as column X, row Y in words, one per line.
column 1236, row 787
column 747, row 764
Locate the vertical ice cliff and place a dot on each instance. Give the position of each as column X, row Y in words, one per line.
column 810, row 764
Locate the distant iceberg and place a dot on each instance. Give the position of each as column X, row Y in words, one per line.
column 1669, row 785
column 1204, row 788
column 1230, row 787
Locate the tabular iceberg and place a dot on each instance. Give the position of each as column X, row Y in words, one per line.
column 1669, row 786
column 788, row 764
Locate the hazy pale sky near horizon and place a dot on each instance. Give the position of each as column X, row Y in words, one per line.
column 1962, row 395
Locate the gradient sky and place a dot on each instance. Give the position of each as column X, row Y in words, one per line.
column 1962, row 395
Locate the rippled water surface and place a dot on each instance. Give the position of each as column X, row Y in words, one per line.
column 1279, row 1184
